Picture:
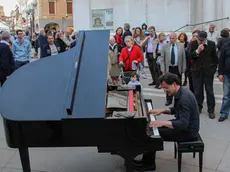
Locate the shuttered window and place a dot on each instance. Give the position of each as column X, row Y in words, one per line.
column 69, row 6
column 52, row 7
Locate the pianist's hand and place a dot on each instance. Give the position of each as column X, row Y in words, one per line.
column 156, row 112
column 157, row 124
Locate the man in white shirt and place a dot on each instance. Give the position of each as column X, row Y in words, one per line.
column 212, row 34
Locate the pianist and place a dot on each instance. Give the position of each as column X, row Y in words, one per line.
column 184, row 127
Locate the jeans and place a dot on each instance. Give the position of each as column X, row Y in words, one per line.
column 226, row 99
column 19, row 64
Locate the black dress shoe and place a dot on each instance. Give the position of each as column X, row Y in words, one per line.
column 145, row 167
column 138, row 162
column 212, row 115
column 168, row 102
column 157, row 86
column 153, row 83
column 221, row 119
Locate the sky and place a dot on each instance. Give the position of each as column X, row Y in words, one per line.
column 8, row 5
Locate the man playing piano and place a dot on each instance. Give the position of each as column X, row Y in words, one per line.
column 184, row 127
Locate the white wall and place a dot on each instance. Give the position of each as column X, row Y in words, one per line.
column 165, row 15
column 168, row 15
column 81, row 14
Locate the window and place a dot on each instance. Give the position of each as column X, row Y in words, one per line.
column 69, row 6
column 52, row 7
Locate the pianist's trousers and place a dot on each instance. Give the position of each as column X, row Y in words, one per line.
column 170, row 135
column 174, row 70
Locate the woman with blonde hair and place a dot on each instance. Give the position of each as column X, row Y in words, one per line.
column 139, row 38
column 60, row 42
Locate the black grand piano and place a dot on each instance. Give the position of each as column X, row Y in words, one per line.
column 63, row 101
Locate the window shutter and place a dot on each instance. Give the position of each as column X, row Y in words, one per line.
column 52, row 7
column 69, row 7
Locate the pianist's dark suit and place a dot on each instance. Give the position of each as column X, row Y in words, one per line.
column 6, row 62
column 186, row 123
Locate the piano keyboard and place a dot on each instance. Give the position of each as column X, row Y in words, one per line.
column 153, row 118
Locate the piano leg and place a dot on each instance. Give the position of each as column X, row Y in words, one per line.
column 25, row 159
column 129, row 164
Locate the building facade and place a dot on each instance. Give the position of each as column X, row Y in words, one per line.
column 4, row 18
column 2, row 11
column 165, row 15
column 50, row 14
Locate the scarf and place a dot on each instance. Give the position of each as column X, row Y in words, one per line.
column 118, row 39
column 112, row 47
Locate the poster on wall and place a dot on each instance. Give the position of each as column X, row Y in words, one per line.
column 102, row 19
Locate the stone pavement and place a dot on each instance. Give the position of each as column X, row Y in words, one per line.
column 215, row 135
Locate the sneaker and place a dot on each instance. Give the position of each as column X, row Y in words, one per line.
column 222, row 119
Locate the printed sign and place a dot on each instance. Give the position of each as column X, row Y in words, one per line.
column 102, row 19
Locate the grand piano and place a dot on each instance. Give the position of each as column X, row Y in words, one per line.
column 64, row 101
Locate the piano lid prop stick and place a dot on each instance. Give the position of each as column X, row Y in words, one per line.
column 77, row 65
column 155, row 130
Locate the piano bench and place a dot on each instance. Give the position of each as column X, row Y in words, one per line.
column 189, row 147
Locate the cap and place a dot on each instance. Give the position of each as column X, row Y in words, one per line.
column 202, row 35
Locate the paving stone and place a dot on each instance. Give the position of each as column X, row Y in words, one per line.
column 91, row 162
column 166, row 166
column 3, row 144
column 214, row 150
column 5, row 156
column 15, row 170
column 43, row 160
column 225, row 162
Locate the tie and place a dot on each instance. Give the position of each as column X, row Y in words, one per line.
column 173, row 55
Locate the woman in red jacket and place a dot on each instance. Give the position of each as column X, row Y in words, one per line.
column 130, row 57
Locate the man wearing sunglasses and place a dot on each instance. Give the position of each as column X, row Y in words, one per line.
column 204, row 65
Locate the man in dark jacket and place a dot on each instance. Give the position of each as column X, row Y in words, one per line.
column 204, row 65
column 51, row 48
column 224, row 76
column 224, row 39
column 126, row 33
column 7, row 62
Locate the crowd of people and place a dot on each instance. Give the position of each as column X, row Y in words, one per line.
column 16, row 51
column 197, row 59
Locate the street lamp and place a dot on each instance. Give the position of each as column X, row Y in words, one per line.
column 34, row 3
column 30, row 11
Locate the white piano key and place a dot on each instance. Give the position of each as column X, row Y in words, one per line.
column 155, row 130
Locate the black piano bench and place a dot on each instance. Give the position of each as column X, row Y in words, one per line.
column 189, row 147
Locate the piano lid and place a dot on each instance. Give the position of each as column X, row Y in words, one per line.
column 69, row 85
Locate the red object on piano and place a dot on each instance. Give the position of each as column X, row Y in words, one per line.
column 131, row 108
